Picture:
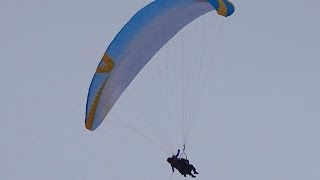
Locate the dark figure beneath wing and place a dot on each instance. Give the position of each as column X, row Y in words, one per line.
column 182, row 165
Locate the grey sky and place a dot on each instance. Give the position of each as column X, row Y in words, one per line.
column 262, row 98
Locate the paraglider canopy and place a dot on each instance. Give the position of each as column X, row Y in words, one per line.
column 137, row 42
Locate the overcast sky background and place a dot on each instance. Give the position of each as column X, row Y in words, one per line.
column 262, row 100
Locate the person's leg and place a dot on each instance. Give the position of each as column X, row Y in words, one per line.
column 193, row 169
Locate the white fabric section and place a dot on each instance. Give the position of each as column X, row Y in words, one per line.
column 142, row 48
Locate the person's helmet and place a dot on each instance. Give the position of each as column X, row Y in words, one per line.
column 170, row 160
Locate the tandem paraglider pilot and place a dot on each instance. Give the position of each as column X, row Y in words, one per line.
column 182, row 165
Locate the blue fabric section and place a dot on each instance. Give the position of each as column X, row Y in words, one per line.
column 214, row 3
column 138, row 22
column 229, row 5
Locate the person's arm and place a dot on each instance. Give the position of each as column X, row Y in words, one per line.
column 176, row 156
column 172, row 168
